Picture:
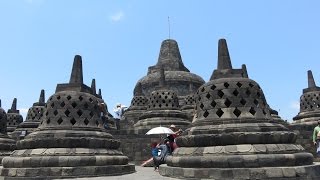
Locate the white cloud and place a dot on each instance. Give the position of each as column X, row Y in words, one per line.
column 295, row 105
column 117, row 16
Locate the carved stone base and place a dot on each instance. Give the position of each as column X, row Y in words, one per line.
column 66, row 172
column 283, row 173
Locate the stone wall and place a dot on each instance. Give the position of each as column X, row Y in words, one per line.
column 304, row 138
column 136, row 147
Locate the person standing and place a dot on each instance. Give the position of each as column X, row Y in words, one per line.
column 172, row 137
column 118, row 110
column 103, row 114
column 316, row 137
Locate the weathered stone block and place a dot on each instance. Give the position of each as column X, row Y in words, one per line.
column 289, row 172
column 274, row 173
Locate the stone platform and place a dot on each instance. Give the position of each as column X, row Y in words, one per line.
column 71, row 172
column 135, row 146
column 142, row 173
column 147, row 173
column 284, row 173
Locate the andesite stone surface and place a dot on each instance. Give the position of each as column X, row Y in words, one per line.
column 189, row 106
column 14, row 117
column 233, row 135
column 309, row 104
column 7, row 145
column 138, row 106
column 305, row 121
column 178, row 78
column 108, row 117
column 180, row 83
column 68, row 142
column 163, row 109
column 34, row 116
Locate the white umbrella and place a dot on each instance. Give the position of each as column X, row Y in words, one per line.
column 160, row 130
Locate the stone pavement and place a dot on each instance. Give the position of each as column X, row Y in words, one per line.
column 142, row 173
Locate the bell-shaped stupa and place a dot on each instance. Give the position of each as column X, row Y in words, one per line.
column 309, row 104
column 178, row 77
column 139, row 104
column 234, row 135
column 68, row 142
column 34, row 116
column 163, row 109
column 308, row 117
column 189, row 106
column 14, row 117
column 7, row 145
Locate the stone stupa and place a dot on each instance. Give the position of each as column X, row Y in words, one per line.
column 178, row 78
column 7, row 145
column 68, row 142
column 138, row 106
column 108, row 117
column 34, row 116
column 309, row 104
column 163, row 109
column 234, row 135
column 309, row 114
column 14, row 117
column 189, row 106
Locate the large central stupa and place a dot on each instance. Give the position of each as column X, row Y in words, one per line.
column 234, row 135
column 178, row 77
column 68, row 142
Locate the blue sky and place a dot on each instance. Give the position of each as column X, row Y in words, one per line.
column 118, row 40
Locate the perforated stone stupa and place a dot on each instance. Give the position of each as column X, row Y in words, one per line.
column 163, row 109
column 189, row 106
column 14, row 117
column 34, row 116
column 7, row 145
column 68, row 142
column 234, row 136
column 139, row 104
column 309, row 104
column 309, row 114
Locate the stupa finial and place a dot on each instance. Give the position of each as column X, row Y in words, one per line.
column 100, row 93
column 311, row 82
column 93, row 86
column 13, row 108
column 14, row 104
column 224, row 61
column 169, row 57
column 245, row 72
column 42, row 98
column 77, row 73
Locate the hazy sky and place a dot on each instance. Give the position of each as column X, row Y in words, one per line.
column 119, row 40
